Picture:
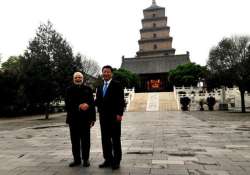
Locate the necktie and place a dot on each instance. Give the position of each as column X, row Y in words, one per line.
column 104, row 88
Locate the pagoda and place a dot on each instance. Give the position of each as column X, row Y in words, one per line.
column 156, row 56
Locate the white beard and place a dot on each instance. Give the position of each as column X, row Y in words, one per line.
column 78, row 83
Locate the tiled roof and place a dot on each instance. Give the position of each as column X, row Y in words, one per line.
column 150, row 65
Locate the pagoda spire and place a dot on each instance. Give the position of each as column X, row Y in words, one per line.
column 153, row 2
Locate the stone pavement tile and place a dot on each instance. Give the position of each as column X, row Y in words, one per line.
column 168, row 172
column 184, row 158
column 27, row 172
column 159, row 156
column 166, row 162
column 191, row 166
column 132, row 170
column 142, row 164
column 95, row 170
column 246, row 155
column 14, row 163
column 176, row 167
column 138, row 171
column 30, row 168
column 208, row 172
column 236, row 158
column 246, row 168
column 233, row 172
column 236, row 146
column 143, row 156
column 128, row 160
column 212, row 167
column 10, row 172
column 177, row 172
column 66, row 171
column 160, row 149
column 217, row 151
column 157, row 171
column 242, row 163
column 56, row 165
column 206, row 160
column 159, row 166
column 231, row 167
column 7, row 166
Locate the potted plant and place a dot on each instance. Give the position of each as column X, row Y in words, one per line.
column 184, row 103
column 210, row 103
column 201, row 103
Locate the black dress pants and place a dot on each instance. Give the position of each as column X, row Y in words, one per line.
column 111, row 139
column 80, row 140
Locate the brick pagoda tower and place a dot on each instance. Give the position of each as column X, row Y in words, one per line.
column 155, row 39
column 155, row 57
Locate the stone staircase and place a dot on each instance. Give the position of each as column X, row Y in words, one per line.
column 139, row 102
column 155, row 101
column 167, row 102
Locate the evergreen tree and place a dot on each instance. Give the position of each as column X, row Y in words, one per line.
column 126, row 78
column 12, row 101
column 186, row 75
column 48, row 68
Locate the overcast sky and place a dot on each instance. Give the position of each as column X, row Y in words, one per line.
column 104, row 30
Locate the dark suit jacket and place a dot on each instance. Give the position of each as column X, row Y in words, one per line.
column 112, row 103
column 75, row 95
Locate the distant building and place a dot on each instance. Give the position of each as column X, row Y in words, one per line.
column 155, row 57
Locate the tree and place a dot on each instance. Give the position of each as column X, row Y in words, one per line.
column 230, row 60
column 0, row 60
column 186, row 75
column 87, row 65
column 12, row 101
column 126, row 78
column 48, row 68
column 13, row 64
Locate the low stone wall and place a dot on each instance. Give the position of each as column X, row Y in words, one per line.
column 229, row 96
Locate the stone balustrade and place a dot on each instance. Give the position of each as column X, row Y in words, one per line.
column 229, row 96
column 128, row 95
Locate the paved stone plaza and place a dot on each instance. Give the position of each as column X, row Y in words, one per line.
column 157, row 143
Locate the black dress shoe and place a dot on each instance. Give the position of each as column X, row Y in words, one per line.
column 105, row 164
column 86, row 163
column 75, row 163
column 115, row 166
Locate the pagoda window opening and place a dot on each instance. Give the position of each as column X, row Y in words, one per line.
column 155, row 46
column 154, row 35
column 153, row 15
column 154, row 25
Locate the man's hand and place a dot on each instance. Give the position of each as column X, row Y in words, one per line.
column 83, row 106
column 119, row 118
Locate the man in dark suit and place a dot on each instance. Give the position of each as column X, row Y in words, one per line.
column 81, row 117
column 110, row 104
